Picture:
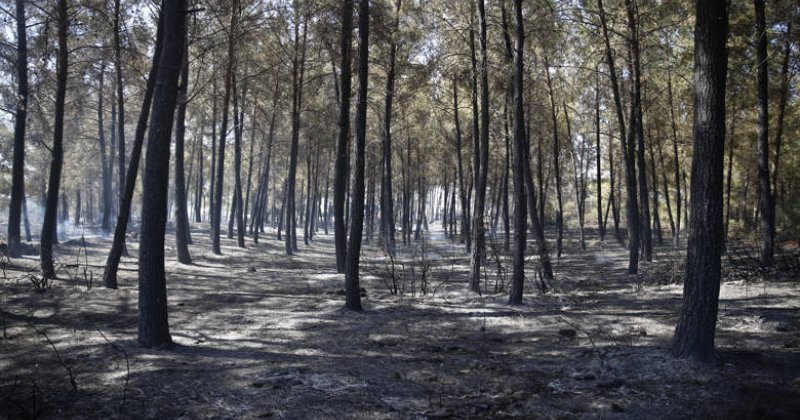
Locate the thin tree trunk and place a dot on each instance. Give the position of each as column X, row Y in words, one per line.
column 787, row 49
column 731, row 146
column 638, row 131
column 107, row 193
column 482, row 163
column 237, row 161
column 461, row 188
column 387, row 205
column 120, row 99
column 352, row 289
column 577, row 180
column 556, row 163
column 298, row 67
column 628, row 148
column 118, row 245
column 476, row 145
column 674, row 125
column 182, row 232
column 77, row 207
column 601, row 229
column 216, row 214
column 49, row 225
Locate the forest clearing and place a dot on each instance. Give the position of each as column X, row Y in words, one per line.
column 261, row 335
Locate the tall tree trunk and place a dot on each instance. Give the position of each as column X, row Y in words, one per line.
column 118, row 245
column 676, row 165
column 520, row 144
column 106, row 176
column 216, row 213
column 387, row 202
column 556, row 162
column 478, row 223
column 298, row 67
column 476, row 145
column 787, row 49
column 577, row 179
column 601, row 229
column 352, row 290
column 694, row 334
column 638, row 130
column 49, row 225
column 653, row 179
column 251, row 159
column 237, row 161
column 459, row 162
column 153, row 322
column 18, row 166
column 181, row 212
column 506, row 170
column 342, row 141
column 628, row 148
column 666, row 188
column 120, row 98
column 766, row 206
column 212, row 176
column 199, row 184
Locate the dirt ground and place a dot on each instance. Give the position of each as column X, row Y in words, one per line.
column 261, row 335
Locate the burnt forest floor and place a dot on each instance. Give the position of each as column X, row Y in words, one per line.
column 259, row 334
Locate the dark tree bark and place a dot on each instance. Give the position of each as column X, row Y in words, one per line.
column 106, row 166
column 667, row 200
column 676, row 165
column 476, row 145
column 556, row 162
column 216, row 213
column 181, row 212
column 18, row 165
column 213, row 174
column 118, row 245
column 120, row 99
column 298, row 69
column 265, row 174
column 153, row 322
column 49, row 225
column 520, row 144
column 506, row 170
column 387, row 201
column 653, row 178
column 638, row 129
column 251, row 160
column 461, row 188
column 342, row 161
column 25, row 217
column 628, row 148
column 237, row 162
column 601, row 229
column 77, row 207
column 766, row 206
column 787, row 49
column 694, row 334
column 200, row 182
column 482, row 163
column 579, row 180
column 352, row 290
